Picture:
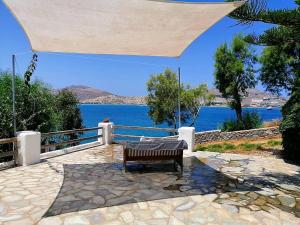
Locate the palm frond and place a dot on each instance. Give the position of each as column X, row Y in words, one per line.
column 249, row 11
column 275, row 36
column 257, row 11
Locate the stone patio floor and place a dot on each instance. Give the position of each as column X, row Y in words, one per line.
column 90, row 187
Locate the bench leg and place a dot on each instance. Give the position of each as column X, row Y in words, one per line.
column 124, row 159
column 125, row 166
column 174, row 165
column 180, row 162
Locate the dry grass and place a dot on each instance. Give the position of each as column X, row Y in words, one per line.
column 272, row 123
column 258, row 146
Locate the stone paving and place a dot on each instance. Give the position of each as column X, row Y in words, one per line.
column 91, row 187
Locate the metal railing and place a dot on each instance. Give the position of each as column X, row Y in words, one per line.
column 67, row 132
column 171, row 130
column 9, row 153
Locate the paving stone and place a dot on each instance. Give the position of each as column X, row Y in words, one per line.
column 158, row 214
column 137, row 222
column 76, row 220
column 98, row 200
column 266, row 192
column 287, row 200
column 68, row 198
column 9, row 218
column 250, row 218
column 114, row 222
column 89, row 187
column 273, row 201
column 143, row 205
column 85, row 194
column 254, row 207
column 174, row 221
column 12, row 198
column 25, row 221
column 211, row 197
column 298, row 204
column 2, row 208
column 260, row 201
column 252, row 195
column 95, row 218
column 231, row 208
column 127, row 216
column 185, row 206
column 51, row 221
column 233, row 222
column 266, row 208
column 289, row 187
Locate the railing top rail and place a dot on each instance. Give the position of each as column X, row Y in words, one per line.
column 8, row 140
column 144, row 128
column 138, row 136
column 70, row 141
column 70, row 131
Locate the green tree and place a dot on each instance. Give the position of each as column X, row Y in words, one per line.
column 280, row 61
column 68, row 112
column 162, row 99
column 234, row 72
column 194, row 98
column 34, row 106
column 37, row 108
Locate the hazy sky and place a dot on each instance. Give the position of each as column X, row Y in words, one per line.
column 123, row 75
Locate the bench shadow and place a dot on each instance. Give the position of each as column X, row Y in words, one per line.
column 91, row 186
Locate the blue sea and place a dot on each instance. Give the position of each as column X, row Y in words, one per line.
column 210, row 118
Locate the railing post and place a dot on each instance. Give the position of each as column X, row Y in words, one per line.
column 29, row 147
column 106, row 132
column 187, row 134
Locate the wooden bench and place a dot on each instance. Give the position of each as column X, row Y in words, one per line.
column 154, row 151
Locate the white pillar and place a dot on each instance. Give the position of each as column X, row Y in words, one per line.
column 106, row 132
column 100, row 132
column 187, row 134
column 29, row 147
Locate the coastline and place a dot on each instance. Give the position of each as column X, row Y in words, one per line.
column 210, row 106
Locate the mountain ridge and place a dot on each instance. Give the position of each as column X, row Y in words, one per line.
column 90, row 95
column 85, row 92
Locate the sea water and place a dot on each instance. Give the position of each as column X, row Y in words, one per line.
column 210, row 118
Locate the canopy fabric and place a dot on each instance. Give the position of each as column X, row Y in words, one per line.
column 122, row 27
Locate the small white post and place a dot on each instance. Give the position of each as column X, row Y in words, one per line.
column 29, row 147
column 187, row 134
column 106, row 132
column 100, row 132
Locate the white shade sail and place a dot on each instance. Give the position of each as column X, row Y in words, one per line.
column 122, row 27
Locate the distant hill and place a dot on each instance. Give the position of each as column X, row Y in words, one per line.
column 85, row 92
column 255, row 98
column 91, row 95
column 116, row 99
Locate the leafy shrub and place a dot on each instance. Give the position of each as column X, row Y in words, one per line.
column 273, row 143
column 251, row 120
column 245, row 146
column 250, row 146
column 200, row 148
column 210, row 148
column 38, row 108
column 290, row 126
column 215, row 147
column 231, row 125
column 228, row 146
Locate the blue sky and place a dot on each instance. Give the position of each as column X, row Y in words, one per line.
column 123, row 75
